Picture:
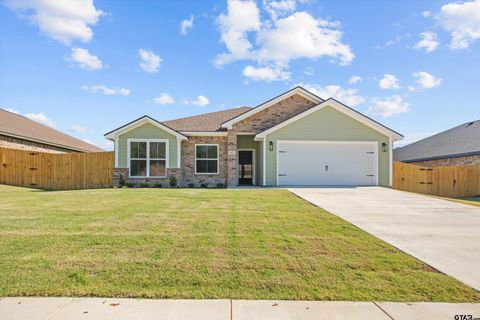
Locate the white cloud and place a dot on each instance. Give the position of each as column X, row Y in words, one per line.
column 354, row 79
column 426, row 80
column 106, row 90
column 163, row 98
column 348, row 96
column 63, row 21
column 429, row 41
column 201, row 101
column 389, row 43
column 41, row 118
column 302, row 36
column 279, row 8
column 388, row 106
column 389, row 81
column 411, row 138
column 426, row 14
column 412, row 88
column 85, row 59
column 12, row 110
column 265, row 74
column 149, row 61
column 185, row 25
column 309, row 71
column 242, row 17
column 278, row 41
column 462, row 20
column 79, row 129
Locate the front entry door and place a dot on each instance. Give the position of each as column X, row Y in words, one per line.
column 245, row 167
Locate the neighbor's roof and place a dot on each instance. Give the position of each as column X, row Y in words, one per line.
column 205, row 122
column 15, row 125
column 460, row 141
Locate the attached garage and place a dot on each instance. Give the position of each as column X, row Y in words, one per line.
column 329, row 163
column 327, row 145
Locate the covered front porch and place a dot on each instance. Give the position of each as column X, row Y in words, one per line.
column 249, row 161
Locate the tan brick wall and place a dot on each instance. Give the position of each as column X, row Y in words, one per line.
column 274, row 115
column 188, row 162
column 33, row 144
column 459, row 161
column 165, row 182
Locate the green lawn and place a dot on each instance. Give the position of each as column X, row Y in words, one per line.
column 473, row 201
column 198, row 243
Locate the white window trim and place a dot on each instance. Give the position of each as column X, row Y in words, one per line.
column 254, row 178
column 167, row 158
column 218, row 159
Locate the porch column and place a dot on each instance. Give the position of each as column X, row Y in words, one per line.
column 232, row 159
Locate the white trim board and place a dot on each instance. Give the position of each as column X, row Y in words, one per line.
column 298, row 90
column 137, row 123
column 167, row 156
column 204, row 133
column 339, row 107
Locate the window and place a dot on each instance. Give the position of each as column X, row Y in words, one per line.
column 206, row 159
column 148, row 158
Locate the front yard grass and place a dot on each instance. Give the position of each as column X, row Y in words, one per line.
column 198, row 243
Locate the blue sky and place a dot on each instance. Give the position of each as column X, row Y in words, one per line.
column 90, row 67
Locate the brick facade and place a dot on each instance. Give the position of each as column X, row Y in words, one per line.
column 227, row 151
column 188, row 162
column 165, row 182
column 34, row 144
column 458, row 161
column 274, row 115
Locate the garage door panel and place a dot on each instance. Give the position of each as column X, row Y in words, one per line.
column 326, row 163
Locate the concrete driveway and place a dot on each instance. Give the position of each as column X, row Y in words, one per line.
column 444, row 234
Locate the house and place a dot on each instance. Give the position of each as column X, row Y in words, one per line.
column 456, row 146
column 19, row 132
column 295, row 138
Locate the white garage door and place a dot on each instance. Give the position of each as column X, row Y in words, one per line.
column 328, row 163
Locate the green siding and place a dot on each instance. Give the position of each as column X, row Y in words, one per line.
column 147, row 131
column 247, row 142
column 327, row 124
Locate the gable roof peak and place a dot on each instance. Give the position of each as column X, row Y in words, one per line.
column 287, row 94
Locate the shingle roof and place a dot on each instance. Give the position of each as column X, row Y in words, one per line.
column 205, row 122
column 459, row 141
column 12, row 124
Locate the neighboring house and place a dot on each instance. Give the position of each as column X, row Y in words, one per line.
column 19, row 132
column 456, row 146
column 293, row 139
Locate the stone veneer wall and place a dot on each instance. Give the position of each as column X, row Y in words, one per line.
column 458, row 161
column 188, row 162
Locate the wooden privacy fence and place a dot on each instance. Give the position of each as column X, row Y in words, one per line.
column 56, row 171
column 445, row 181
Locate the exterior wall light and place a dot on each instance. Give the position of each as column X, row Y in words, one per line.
column 384, row 147
column 270, row 145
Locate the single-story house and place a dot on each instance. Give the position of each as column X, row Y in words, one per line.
column 295, row 138
column 19, row 132
column 456, row 146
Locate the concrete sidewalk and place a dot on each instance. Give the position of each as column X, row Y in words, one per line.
column 108, row 308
